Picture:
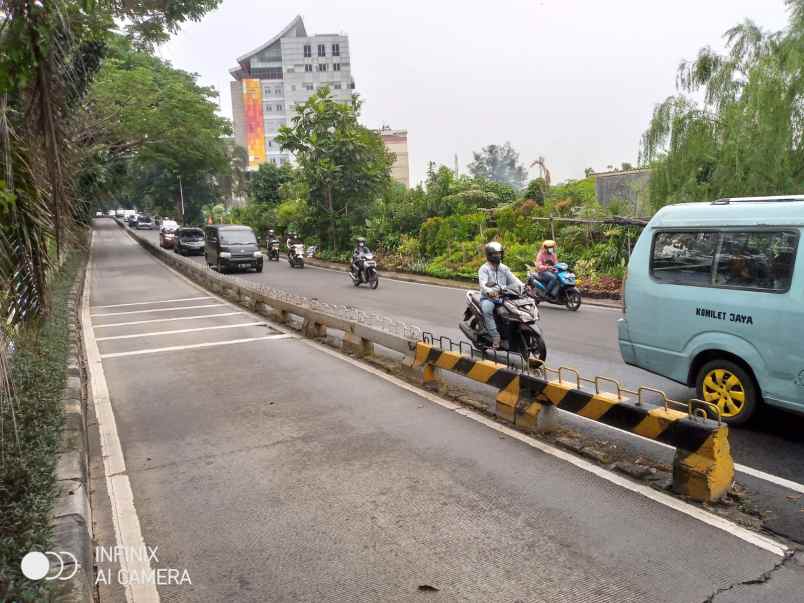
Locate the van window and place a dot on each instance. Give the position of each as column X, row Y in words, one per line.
column 759, row 260
column 238, row 237
column 684, row 258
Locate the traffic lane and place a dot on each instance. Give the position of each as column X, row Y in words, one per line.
column 591, row 332
column 373, row 491
column 585, row 340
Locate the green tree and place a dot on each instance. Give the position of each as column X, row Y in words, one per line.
column 164, row 126
column 267, row 182
column 344, row 164
column 499, row 163
column 744, row 136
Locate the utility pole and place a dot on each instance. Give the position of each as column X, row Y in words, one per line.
column 181, row 198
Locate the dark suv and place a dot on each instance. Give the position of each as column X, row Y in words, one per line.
column 229, row 246
column 189, row 241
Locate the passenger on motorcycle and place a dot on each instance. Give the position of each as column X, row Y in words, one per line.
column 293, row 239
column 357, row 255
column 492, row 277
column 546, row 261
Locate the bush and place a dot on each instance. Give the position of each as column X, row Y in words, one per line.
column 27, row 472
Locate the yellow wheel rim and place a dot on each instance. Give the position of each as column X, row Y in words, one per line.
column 724, row 389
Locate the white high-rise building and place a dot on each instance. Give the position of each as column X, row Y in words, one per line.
column 272, row 79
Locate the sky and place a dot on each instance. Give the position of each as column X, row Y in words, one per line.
column 574, row 81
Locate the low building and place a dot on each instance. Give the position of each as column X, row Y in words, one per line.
column 396, row 141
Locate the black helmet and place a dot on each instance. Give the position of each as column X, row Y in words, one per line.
column 494, row 252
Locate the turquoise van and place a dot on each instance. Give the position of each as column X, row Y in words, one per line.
column 714, row 299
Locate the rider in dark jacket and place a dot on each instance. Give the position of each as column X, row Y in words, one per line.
column 357, row 255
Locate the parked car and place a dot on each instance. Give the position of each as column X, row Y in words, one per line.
column 232, row 246
column 714, row 299
column 189, row 241
column 144, row 223
column 132, row 220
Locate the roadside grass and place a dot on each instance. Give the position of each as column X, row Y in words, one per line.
column 28, row 455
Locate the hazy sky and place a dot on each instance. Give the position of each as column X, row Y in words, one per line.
column 573, row 80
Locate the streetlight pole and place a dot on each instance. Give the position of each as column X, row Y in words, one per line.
column 181, row 196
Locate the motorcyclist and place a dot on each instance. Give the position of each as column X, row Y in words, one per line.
column 546, row 261
column 361, row 250
column 293, row 239
column 492, row 277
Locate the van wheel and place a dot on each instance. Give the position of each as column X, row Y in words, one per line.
column 729, row 387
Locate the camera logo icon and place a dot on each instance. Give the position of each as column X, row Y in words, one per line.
column 36, row 565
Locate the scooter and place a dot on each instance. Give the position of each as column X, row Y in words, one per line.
column 516, row 316
column 367, row 272
column 296, row 256
column 567, row 294
column 273, row 251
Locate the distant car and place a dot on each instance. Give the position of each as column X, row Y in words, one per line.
column 144, row 223
column 132, row 220
column 98, row 214
column 167, row 238
column 189, row 241
column 169, row 225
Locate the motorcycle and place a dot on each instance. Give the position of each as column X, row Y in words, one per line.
column 273, row 251
column 367, row 272
column 516, row 315
column 296, row 256
column 567, row 295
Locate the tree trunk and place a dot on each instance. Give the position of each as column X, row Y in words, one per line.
column 331, row 210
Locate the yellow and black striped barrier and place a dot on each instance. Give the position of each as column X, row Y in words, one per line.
column 702, row 468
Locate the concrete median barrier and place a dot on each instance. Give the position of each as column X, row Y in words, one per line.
column 702, row 468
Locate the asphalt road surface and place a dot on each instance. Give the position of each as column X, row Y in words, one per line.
column 271, row 469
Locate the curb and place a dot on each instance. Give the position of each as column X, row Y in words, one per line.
column 72, row 515
column 449, row 284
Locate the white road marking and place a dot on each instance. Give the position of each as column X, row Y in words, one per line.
column 754, row 538
column 774, row 479
column 145, row 303
column 158, row 310
column 210, row 344
column 175, row 331
column 142, row 322
column 128, row 533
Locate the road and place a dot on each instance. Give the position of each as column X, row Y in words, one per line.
column 586, row 340
column 272, row 469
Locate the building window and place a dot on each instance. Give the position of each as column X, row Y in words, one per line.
column 336, row 50
column 280, row 107
column 308, row 87
column 308, row 51
column 337, row 85
column 308, row 68
column 293, row 87
column 336, row 67
column 278, row 91
column 322, row 50
column 323, row 66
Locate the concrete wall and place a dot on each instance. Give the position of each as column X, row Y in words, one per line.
column 396, row 141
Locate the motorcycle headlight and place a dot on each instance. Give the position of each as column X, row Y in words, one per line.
column 258, row 254
column 225, row 255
